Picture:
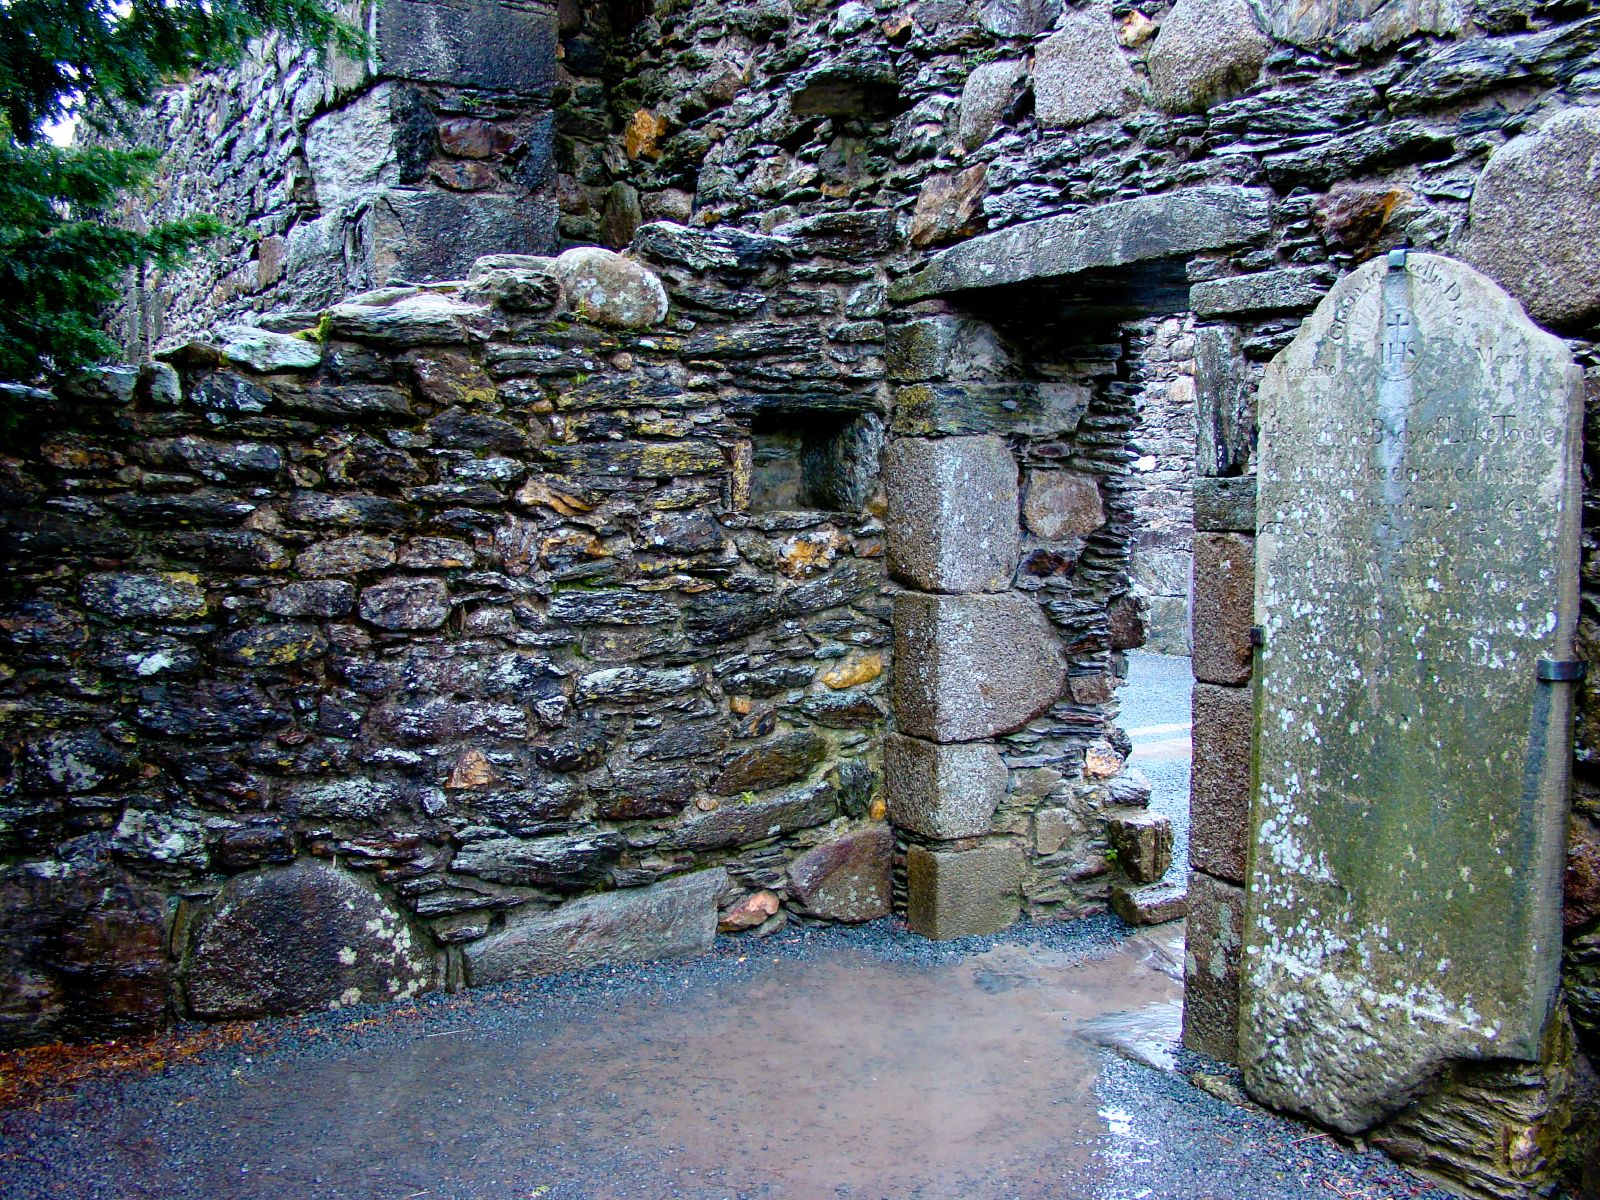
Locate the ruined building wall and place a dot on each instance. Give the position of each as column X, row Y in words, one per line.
column 338, row 176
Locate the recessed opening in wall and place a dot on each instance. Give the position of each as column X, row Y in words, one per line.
column 812, row 460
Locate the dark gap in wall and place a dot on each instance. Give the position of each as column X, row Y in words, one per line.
column 812, row 460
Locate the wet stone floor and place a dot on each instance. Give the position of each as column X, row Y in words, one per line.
column 826, row 1063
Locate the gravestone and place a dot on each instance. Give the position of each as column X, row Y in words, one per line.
column 1416, row 585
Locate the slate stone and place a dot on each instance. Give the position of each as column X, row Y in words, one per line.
column 423, row 319
column 782, row 759
column 949, row 207
column 966, row 409
column 1142, row 841
column 1472, row 67
column 430, row 235
column 338, row 556
column 298, row 939
column 209, row 709
column 499, row 45
column 1224, row 586
column 942, row 791
column 631, row 685
column 561, row 864
column 262, row 351
column 272, row 644
column 671, row 919
column 1212, row 959
column 951, row 518
column 1532, row 215
column 1288, row 289
column 406, row 604
column 1419, row 513
column 610, row 608
column 850, row 879
column 1062, row 505
column 611, row 289
column 147, row 596
column 989, row 92
column 972, row 667
column 963, row 893
column 1115, row 234
column 1207, row 51
column 1219, row 790
column 1225, row 505
column 1366, row 25
column 1080, row 72
column 735, row 822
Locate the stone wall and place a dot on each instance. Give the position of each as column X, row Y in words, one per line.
column 336, row 177
column 1141, row 172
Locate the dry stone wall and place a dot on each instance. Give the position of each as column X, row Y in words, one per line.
column 337, row 177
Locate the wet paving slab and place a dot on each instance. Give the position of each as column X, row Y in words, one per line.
column 862, row 1063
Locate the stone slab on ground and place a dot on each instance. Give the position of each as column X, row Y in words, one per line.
column 951, row 522
column 300, row 938
column 942, row 791
column 1149, row 903
column 962, row 893
column 971, row 667
column 1419, row 511
column 665, row 920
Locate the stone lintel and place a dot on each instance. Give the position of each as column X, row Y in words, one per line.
column 1118, row 234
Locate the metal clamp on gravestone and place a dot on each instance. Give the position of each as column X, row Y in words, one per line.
column 1562, row 670
column 1258, row 636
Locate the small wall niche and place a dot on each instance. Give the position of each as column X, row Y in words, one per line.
column 825, row 461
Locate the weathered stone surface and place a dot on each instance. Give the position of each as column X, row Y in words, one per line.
column 1018, row 18
column 501, row 45
column 783, row 759
column 962, row 893
column 82, row 952
column 421, row 319
column 989, row 408
column 1080, row 72
column 1225, row 505
column 429, row 235
column 949, row 207
column 1532, row 216
column 1224, row 393
column 264, row 351
column 300, row 938
column 735, row 822
column 1287, row 289
column 1219, row 788
column 942, row 791
column 1061, row 505
column 1150, row 903
column 972, row 667
column 849, row 879
column 665, row 920
column 1212, row 961
column 1418, row 555
column 1207, row 51
column 990, row 90
column 1364, row 24
column 158, row 596
column 406, row 604
column 1142, row 842
column 1115, row 234
column 946, row 346
column 951, row 523
column 1224, row 589
column 611, row 289
column 563, row 864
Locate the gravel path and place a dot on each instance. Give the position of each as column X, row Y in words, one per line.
column 857, row 1063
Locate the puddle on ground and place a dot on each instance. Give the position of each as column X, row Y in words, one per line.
column 839, row 1075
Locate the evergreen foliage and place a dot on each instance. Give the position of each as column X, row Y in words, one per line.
column 62, row 259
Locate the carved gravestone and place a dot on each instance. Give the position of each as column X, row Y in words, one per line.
column 1417, row 562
